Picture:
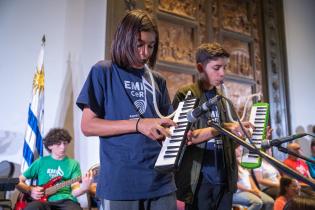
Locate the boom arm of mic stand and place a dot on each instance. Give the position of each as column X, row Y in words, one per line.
column 268, row 158
column 286, row 150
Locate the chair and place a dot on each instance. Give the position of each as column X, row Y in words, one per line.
column 92, row 200
column 238, row 207
column 6, row 171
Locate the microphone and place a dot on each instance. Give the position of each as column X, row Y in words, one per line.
column 266, row 144
column 194, row 114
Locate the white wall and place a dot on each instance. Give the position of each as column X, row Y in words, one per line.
column 75, row 40
column 300, row 40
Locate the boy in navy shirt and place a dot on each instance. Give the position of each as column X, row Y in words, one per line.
column 117, row 104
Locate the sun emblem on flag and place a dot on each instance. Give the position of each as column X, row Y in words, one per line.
column 39, row 80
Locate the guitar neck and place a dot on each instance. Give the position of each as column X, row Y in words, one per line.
column 55, row 188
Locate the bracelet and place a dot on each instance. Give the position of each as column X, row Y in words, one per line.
column 137, row 124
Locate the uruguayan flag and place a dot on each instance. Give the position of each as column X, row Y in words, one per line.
column 33, row 141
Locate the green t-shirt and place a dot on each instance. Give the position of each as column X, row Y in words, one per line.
column 46, row 168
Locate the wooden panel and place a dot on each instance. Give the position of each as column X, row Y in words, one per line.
column 240, row 60
column 175, row 80
column 239, row 96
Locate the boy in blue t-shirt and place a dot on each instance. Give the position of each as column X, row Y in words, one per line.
column 117, row 103
column 311, row 166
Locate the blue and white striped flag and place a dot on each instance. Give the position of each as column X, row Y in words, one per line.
column 33, row 141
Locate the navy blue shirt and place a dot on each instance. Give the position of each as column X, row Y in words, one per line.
column 213, row 167
column 127, row 160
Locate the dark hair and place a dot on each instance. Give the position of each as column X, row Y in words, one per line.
column 55, row 136
column 210, row 51
column 300, row 203
column 124, row 47
column 284, row 184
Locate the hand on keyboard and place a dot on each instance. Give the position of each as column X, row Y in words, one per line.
column 269, row 132
column 236, row 129
column 155, row 128
column 200, row 135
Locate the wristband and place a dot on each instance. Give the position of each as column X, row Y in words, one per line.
column 137, row 124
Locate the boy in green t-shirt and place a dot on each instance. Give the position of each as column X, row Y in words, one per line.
column 57, row 166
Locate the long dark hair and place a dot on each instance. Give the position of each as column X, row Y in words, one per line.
column 284, row 184
column 124, row 47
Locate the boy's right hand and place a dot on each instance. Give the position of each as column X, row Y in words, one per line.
column 155, row 128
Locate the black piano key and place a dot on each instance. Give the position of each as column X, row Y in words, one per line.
column 171, row 151
column 175, row 140
column 261, row 108
column 259, row 127
column 191, row 100
column 188, row 104
column 178, row 130
column 182, row 117
column 183, row 114
column 176, row 136
column 170, row 156
column 181, row 126
column 186, row 108
column 172, row 147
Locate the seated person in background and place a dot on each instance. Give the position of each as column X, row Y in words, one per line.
column 55, row 165
column 94, row 201
column 312, row 165
column 300, row 166
column 300, row 203
column 296, row 163
column 248, row 194
column 267, row 176
column 289, row 188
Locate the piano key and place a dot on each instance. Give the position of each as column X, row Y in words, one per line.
column 179, row 130
column 171, row 151
column 170, row 156
column 172, row 147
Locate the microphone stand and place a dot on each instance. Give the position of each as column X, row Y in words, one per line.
column 268, row 158
column 286, row 150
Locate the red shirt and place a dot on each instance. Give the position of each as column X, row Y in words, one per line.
column 297, row 165
column 279, row 203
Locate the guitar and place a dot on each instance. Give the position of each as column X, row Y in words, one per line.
column 50, row 188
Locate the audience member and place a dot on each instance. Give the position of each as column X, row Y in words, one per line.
column 300, row 166
column 267, row 176
column 295, row 163
column 289, row 188
column 248, row 193
column 311, row 166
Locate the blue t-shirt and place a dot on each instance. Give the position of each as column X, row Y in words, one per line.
column 127, row 160
column 311, row 167
column 213, row 167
